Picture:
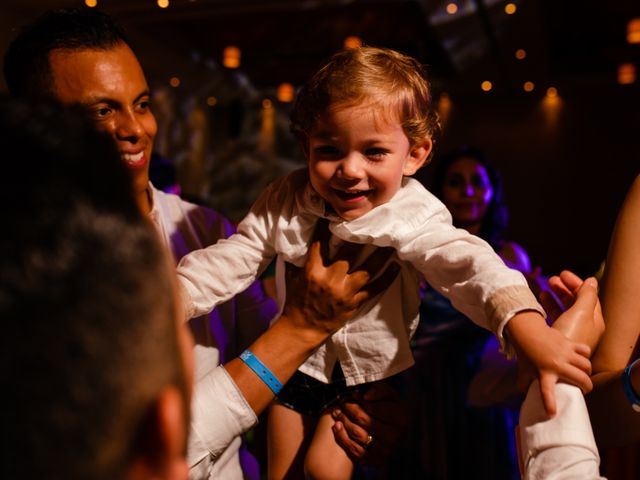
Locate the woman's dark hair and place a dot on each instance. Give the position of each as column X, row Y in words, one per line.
column 495, row 220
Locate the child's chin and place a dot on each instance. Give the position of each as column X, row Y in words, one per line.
column 352, row 214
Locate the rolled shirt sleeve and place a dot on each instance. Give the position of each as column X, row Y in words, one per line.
column 219, row 414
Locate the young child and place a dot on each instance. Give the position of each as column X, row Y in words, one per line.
column 366, row 122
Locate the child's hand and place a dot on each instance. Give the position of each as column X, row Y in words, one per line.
column 552, row 355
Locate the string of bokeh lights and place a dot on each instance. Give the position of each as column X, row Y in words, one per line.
column 285, row 92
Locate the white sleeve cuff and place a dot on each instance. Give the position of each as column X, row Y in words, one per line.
column 219, row 413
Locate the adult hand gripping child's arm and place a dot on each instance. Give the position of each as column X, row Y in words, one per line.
column 551, row 354
column 615, row 422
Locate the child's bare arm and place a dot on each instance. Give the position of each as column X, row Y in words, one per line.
column 551, row 354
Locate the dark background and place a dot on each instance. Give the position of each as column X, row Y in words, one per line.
column 566, row 167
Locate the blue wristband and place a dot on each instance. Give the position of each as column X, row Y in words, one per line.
column 262, row 371
column 631, row 394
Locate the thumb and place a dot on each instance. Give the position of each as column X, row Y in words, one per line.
column 587, row 297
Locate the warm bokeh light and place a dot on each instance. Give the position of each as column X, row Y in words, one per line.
column 528, row 86
column 163, row 3
column 212, row 101
column 444, row 102
column 352, row 42
column 267, row 137
column 521, row 54
column 444, row 108
column 626, row 74
column 231, row 57
column 91, row 3
column 452, row 8
column 486, row 85
column 510, row 8
column 551, row 109
column 633, row 30
column 174, row 82
column 285, row 92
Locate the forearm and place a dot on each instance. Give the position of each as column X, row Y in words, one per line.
column 614, row 421
column 282, row 349
column 227, row 401
column 525, row 326
column 620, row 286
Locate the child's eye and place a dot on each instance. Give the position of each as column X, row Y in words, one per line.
column 375, row 153
column 326, row 151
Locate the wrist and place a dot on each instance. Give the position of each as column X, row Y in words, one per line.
column 293, row 337
column 630, row 387
column 524, row 325
column 262, row 371
column 634, row 376
column 302, row 328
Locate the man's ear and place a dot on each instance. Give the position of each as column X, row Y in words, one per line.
column 161, row 450
column 417, row 156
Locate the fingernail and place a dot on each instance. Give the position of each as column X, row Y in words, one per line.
column 337, row 413
column 592, row 282
column 337, row 426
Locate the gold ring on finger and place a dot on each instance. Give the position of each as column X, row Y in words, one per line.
column 368, row 442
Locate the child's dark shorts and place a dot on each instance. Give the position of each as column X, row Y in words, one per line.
column 309, row 396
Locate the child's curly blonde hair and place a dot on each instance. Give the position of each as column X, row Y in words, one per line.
column 372, row 76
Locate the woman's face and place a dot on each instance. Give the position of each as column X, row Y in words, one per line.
column 467, row 192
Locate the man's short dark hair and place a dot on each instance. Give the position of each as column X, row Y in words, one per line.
column 27, row 70
column 86, row 301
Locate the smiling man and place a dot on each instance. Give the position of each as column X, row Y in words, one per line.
column 83, row 57
column 111, row 85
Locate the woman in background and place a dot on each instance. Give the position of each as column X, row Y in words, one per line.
column 453, row 437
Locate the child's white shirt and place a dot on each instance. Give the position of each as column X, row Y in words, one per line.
column 375, row 343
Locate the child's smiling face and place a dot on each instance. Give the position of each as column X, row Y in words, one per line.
column 358, row 156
